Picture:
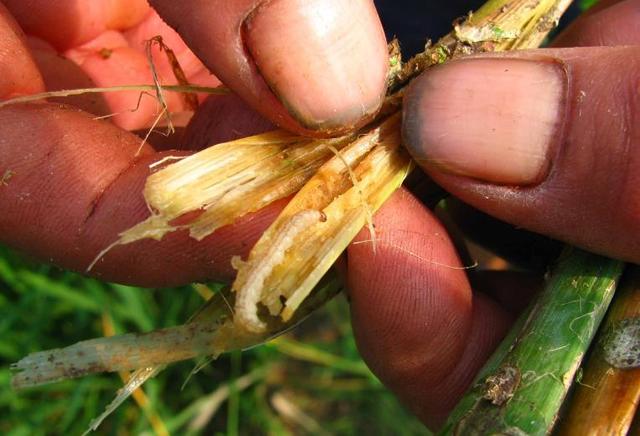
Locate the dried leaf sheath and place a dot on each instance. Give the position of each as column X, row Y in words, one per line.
column 228, row 181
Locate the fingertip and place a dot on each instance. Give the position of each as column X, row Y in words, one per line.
column 109, row 61
column 64, row 24
column 18, row 71
column 102, row 44
column 578, row 125
column 416, row 322
column 151, row 26
column 410, row 300
column 326, row 60
column 69, row 23
column 494, row 119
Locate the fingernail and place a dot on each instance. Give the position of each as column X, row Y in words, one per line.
column 326, row 60
column 494, row 119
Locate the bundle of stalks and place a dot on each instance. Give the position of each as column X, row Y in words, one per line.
column 338, row 184
column 522, row 388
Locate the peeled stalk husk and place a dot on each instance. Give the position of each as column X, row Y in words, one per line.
column 329, row 211
column 228, row 181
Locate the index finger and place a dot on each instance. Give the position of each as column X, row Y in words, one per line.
column 20, row 74
column 68, row 23
column 307, row 65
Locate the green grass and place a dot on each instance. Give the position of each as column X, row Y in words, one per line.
column 586, row 4
column 316, row 368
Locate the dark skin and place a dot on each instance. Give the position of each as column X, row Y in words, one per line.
column 76, row 182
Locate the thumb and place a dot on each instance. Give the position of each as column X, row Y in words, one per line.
column 548, row 140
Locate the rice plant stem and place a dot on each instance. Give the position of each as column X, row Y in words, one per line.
column 521, row 389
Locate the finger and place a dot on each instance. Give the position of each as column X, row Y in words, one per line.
column 417, row 324
column 109, row 61
column 546, row 140
column 222, row 118
column 59, row 73
column 139, row 36
column 68, row 23
column 71, row 184
column 613, row 23
column 324, row 60
column 20, row 74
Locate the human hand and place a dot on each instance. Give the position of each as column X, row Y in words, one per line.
column 548, row 140
column 417, row 322
column 69, row 174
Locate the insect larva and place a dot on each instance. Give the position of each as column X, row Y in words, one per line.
column 249, row 295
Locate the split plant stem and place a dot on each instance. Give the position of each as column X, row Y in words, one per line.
column 521, row 389
column 225, row 182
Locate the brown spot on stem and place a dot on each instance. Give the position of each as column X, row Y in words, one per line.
column 500, row 387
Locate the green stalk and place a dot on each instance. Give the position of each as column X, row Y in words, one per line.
column 521, row 389
column 209, row 333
